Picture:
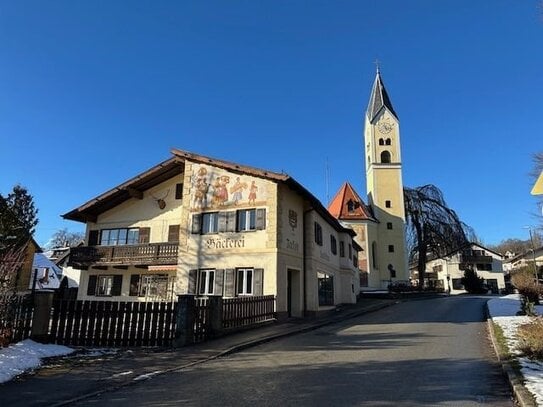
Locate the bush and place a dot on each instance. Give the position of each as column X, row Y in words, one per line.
column 531, row 339
column 527, row 286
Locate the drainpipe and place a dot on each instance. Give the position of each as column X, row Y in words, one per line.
column 304, row 271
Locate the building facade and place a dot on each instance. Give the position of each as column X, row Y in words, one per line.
column 198, row 225
column 446, row 272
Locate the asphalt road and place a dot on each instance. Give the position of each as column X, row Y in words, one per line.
column 432, row 352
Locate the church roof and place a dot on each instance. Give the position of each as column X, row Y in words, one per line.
column 379, row 99
column 347, row 205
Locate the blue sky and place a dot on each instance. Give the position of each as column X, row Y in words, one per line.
column 92, row 93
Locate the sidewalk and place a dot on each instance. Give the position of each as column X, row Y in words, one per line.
column 66, row 380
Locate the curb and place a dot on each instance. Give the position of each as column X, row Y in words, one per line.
column 229, row 351
column 521, row 393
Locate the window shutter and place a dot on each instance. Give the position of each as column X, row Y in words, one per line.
column 231, row 221
column 144, row 234
column 219, row 281
column 193, row 274
column 196, row 223
column 91, row 287
column 134, row 285
column 93, row 237
column 259, row 282
column 179, row 191
column 173, row 233
column 222, row 221
column 229, row 286
column 261, row 219
column 117, row 285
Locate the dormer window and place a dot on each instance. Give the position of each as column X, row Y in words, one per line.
column 352, row 205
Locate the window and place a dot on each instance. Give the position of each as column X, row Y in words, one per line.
column 392, row 271
column 391, row 248
column 210, row 222
column 350, row 251
column 355, row 260
column 389, row 225
column 387, row 141
column 318, row 234
column 115, row 237
column 326, row 289
column 484, row 266
column 381, row 142
column 374, row 254
column 151, row 286
column 342, row 249
column 246, row 220
column 229, row 221
column 388, row 204
column 104, row 285
column 207, row 282
column 333, row 244
column 457, row 284
column 245, row 282
column 178, row 191
column 385, row 157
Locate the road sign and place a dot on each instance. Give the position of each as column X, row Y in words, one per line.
column 538, row 186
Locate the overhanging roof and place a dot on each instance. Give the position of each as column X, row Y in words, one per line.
column 134, row 187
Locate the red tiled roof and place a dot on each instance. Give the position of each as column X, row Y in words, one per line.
column 348, row 205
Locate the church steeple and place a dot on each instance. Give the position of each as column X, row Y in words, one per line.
column 379, row 99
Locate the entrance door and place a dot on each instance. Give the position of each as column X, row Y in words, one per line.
column 289, row 293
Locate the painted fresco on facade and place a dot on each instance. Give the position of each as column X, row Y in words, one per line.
column 214, row 188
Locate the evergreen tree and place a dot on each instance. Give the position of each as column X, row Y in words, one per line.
column 472, row 282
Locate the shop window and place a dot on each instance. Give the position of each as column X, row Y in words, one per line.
column 326, row 289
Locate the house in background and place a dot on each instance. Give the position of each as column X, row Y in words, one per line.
column 198, row 225
column 60, row 256
column 526, row 259
column 446, row 272
column 46, row 275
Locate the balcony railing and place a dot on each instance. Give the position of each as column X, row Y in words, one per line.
column 475, row 259
column 143, row 254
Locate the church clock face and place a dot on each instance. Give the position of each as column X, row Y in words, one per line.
column 384, row 127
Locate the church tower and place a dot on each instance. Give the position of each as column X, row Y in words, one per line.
column 386, row 240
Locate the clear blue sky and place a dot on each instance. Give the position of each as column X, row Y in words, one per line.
column 94, row 92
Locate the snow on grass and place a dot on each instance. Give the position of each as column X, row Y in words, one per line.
column 503, row 311
column 26, row 355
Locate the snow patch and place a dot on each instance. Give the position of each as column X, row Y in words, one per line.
column 26, row 355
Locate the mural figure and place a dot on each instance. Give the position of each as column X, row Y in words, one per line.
column 252, row 192
column 201, row 187
column 216, row 197
column 237, row 191
column 200, row 195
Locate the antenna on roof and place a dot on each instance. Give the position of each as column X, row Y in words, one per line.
column 327, row 180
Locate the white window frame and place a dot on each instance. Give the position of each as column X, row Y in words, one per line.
column 245, row 284
column 210, row 222
column 104, row 285
column 206, row 283
column 246, row 220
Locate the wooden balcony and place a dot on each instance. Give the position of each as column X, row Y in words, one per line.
column 130, row 255
column 475, row 259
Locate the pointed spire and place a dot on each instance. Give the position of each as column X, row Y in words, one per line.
column 379, row 98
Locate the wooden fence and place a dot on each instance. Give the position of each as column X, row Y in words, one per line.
column 243, row 311
column 15, row 318
column 109, row 323
column 130, row 324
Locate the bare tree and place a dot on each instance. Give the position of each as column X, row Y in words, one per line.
column 432, row 227
column 65, row 238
